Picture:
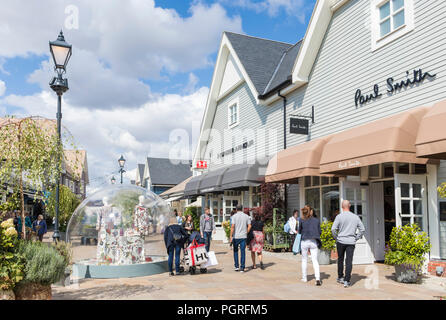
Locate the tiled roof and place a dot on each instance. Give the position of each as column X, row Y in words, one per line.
column 165, row 171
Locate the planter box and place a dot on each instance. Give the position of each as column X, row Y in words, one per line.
column 406, row 274
column 7, row 295
column 324, row 257
column 32, row 291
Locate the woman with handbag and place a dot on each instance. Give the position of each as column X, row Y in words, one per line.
column 256, row 238
column 310, row 231
column 174, row 237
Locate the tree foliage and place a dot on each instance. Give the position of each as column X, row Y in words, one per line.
column 442, row 190
column 271, row 195
column 68, row 202
column 31, row 155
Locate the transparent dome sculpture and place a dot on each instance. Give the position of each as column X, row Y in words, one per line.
column 119, row 225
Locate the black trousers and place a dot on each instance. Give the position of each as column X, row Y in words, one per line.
column 345, row 250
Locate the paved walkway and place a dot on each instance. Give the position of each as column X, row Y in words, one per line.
column 280, row 280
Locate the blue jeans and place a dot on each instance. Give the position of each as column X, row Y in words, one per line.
column 177, row 249
column 207, row 239
column 242, row 244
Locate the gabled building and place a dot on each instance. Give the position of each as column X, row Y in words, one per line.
column 352, row 111
column 161, row 174
column 139, row 179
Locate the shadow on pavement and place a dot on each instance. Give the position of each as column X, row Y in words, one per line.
column 324, row 276
column 106, row 292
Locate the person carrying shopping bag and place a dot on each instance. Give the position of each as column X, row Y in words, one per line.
column 310, row 231
column 293, row 223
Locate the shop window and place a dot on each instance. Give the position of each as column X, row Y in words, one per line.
column 443, row 211
column 307, row 182
column 403, row 168
column 420, row 169
column 388, row 170
column 325, row 181
column 374, row 171
column 334, row 180
column 391, row 19
column 313, row 199
column 330, row 202
column 316, row 181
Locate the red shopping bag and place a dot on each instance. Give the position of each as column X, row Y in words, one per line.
column 196, row 254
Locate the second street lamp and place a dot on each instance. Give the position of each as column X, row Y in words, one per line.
column 113, row 180
column 61, row 53
column 121, row 162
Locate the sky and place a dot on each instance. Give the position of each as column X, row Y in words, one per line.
column 140, row 70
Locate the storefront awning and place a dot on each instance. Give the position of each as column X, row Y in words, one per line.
column 211, row 181
column 243, row 175
column 298, row 161
column 391, row 139
column 192, row 187
column 178, row 190
column 431, row 138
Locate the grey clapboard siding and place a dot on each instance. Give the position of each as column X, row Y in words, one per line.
column 292, row 198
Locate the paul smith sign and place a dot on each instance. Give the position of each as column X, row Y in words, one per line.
column 416, row 77
column 349, row 164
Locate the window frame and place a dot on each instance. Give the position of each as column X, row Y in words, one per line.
column 231, row 104
column 379, row 41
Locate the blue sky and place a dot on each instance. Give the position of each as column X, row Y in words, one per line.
column 134, row 65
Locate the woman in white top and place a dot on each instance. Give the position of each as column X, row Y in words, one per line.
column 294, row 225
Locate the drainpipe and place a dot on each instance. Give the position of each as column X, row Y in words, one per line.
column 284, row 146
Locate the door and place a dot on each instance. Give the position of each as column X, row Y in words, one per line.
column 410, row 200
column 378, row 220
column 230, row 203
column 217, row 210
column 358, row 195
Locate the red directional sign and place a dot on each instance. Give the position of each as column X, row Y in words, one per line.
column 201, row 164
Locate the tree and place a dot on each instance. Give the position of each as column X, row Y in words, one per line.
column 68, row 202
column 31, row 156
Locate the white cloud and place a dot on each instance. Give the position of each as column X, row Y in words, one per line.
column 106, row 134
column 2, row 88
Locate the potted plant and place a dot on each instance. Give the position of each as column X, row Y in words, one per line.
column 408, row 247
column 328, row 243
column 43, row 266
column 11, row 267
column 66, row 251
column 227, row 227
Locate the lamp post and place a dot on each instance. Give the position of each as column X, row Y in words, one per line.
column 113, row 180
column 121, row 162
column 61, row 53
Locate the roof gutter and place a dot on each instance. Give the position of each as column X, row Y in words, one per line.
column 276, row 89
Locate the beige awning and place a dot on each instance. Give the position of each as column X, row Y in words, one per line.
column 177, row 190
column 391, row 139
column 298, row 161
column 431, row 138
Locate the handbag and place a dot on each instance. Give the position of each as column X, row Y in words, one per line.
column 212, row 260
column 177, row 237
column 287, row 227
column 296, row 244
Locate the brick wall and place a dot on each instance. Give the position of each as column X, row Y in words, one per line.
column 433, row 264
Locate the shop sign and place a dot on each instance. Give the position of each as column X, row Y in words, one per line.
column 201, row 164
column 349, row 164
column 299, row 126
column 416, row 77
column 242, row 146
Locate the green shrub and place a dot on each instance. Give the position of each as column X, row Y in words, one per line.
column 408, row 246
column 43, row 263
column 227, row 227
column 65, row 250
column 328, row 242
column 195, row 213
column 11, row 264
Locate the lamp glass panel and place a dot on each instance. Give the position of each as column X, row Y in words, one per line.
column 60, row 55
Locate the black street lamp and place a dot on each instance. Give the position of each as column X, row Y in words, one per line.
column 113, row 180
column 121, row 162
column 61, row 53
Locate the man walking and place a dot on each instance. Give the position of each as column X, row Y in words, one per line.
column 241, row 225
column 344, row 231
column 207, row 227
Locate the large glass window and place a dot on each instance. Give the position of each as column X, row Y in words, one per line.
column 313, row 199
column 330, row 202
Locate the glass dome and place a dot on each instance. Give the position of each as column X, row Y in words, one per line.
column 118, row 225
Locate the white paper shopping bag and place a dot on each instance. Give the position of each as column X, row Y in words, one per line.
column 212, row 260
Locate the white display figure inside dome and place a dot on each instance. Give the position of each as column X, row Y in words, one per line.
column 106, row 229
column 141, row 218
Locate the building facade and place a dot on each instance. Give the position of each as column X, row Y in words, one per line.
column 370, row 72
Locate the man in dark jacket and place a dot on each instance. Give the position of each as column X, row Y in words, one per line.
column 174, row 230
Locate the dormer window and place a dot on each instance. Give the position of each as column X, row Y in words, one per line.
column 233, row 113
column 391, row 19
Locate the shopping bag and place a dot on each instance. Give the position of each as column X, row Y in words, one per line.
column 212, row 260
column 197, row 254
column 296, row 244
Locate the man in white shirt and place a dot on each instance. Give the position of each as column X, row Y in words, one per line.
column 241, row 225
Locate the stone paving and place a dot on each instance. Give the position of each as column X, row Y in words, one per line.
column 280, row 280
